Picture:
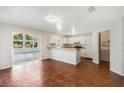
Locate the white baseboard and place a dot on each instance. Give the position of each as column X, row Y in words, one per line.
column 44, row 59
column 95, row 62
column 5, row 67
column 119, row 73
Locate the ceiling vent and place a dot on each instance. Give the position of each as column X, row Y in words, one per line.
column 91, row 9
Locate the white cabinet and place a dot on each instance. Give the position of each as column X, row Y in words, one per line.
column 84, row 39
column 67, row 55
column 87, row 43
column 57, row 40
column 87, row 52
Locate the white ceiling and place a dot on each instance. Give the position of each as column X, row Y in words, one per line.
column 78, row 16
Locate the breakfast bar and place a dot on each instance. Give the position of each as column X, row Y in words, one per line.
column 64, row 54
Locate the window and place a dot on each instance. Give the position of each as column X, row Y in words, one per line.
column 28, row 44
column 36, row 40
column 18, row 44
column 25, row 41
column 35, row 44
column 18, row 36
column 18, row 40
column 28, row 37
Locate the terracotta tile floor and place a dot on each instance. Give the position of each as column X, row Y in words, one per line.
column 52, row 73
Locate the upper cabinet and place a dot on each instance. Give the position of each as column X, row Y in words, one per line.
column 83, row 39
column 86, row 40
column 57, row 39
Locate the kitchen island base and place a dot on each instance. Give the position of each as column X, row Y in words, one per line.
column 67, row 55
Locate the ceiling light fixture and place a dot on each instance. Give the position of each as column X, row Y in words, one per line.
column 52, row 19
column 55, row 20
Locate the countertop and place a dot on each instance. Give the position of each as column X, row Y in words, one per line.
column 64, row 47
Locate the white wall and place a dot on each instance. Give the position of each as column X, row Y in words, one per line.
column 95, row 48
column 116, row 46
column 122, row 45
column 95, row 40
column 6, row 42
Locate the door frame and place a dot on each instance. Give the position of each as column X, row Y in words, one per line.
column 99, row 40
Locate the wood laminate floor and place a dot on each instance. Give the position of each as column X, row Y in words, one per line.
column 51, row 73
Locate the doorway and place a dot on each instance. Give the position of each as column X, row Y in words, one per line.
column 104, row 46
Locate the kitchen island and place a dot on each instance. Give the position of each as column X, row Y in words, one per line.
column 64, row 54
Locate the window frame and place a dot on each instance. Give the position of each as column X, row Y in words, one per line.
column 24, row 40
